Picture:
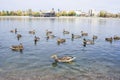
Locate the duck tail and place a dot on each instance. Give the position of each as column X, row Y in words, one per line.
column 74, row 58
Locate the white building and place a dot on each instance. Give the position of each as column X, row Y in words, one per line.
column 80, row 13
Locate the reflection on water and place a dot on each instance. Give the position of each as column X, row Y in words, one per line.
column 54, row 64
column 94, row 62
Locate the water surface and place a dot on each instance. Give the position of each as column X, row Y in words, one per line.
column 100, row 61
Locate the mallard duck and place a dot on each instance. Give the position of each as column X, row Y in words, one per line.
column 14, row 31
column 75, row 36
column 109, row 39
column 87, row 42
column 116, row 37
column 36, row 39
column 19, row 36
column 84, row 34
column 65, row 32
column 17, row 47
column 32, row 32
column 94, row 37
column 51, row 36
column 63, row 59
column 60, row 40
column 48, row 32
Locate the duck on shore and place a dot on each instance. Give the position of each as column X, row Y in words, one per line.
column 65, row 59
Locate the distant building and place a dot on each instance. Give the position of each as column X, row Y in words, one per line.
column 49, row 13
column 84, row 14
column 80, row 13
column 92, row 12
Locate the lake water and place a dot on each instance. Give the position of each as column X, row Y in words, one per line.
column 100, row 61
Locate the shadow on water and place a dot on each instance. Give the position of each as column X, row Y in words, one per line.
column 55, row 64
column 21, row 51
column 72, row 39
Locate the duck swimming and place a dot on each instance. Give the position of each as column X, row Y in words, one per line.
column 65, row 32
column 36, row 39
column 19, row 36
column 17, row 47
column 94, row 37
column 116, row 37
column 61, row 40
column 51, row 36
column 84, row 34
column 14, row 31
column 75, row 36
column 48, row 32
column 87, row 42
column 32, row 32
column 109, row 39
column 63, row 59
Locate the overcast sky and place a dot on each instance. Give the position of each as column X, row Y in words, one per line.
column 84, row 5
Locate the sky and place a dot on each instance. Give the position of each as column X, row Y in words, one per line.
column 84, row 5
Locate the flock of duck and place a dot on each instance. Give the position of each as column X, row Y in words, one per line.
column 49, row 35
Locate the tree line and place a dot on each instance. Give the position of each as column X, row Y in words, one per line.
column 29, row 12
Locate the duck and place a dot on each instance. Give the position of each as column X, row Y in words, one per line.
column 84, row 34
column 36, row 38
column 48, row 32
column 17, row 47
column 51, row 36
column 32, row 32
column 75, row 36
column 87, row 42
column 14, row 31
column 94, row 37
column 19, row 36
column 109, row 39
column 65, row 59
column 116, row 37
column 65, row 32
column 61, row 40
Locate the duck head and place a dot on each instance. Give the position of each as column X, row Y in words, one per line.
column 54, row 57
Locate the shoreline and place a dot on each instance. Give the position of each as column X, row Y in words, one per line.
column 57, row 17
